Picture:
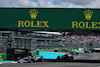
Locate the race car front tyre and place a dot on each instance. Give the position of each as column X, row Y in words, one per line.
column 58, row 58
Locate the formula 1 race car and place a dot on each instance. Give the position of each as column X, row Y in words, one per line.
column 74, row 53
column 65, row 57
column 88, row 51
column 30, row 59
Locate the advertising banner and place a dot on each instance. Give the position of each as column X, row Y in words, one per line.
column 50, row 18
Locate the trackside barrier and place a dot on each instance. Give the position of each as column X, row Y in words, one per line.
column 54, row 48
column 35, row 53
column 3, row 56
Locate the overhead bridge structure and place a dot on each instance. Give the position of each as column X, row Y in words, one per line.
column 19, row 27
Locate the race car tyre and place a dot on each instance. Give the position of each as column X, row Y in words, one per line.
column 28, row 61
column 42, row 59
column 58, row 58
column 18, row 62
column 71, row 58
column 76, row 53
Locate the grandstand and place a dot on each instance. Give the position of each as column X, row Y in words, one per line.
column 76, row 39
column 82, row 39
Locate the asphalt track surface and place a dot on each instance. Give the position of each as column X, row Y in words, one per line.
column 81, row 60
column 87, row 56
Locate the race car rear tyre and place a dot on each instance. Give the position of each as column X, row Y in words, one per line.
column 58, row 58
column 71, row 58
column 76, row 53
column 42, row 59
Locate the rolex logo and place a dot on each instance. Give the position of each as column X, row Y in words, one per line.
column 33, row 13
column 88, row 14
